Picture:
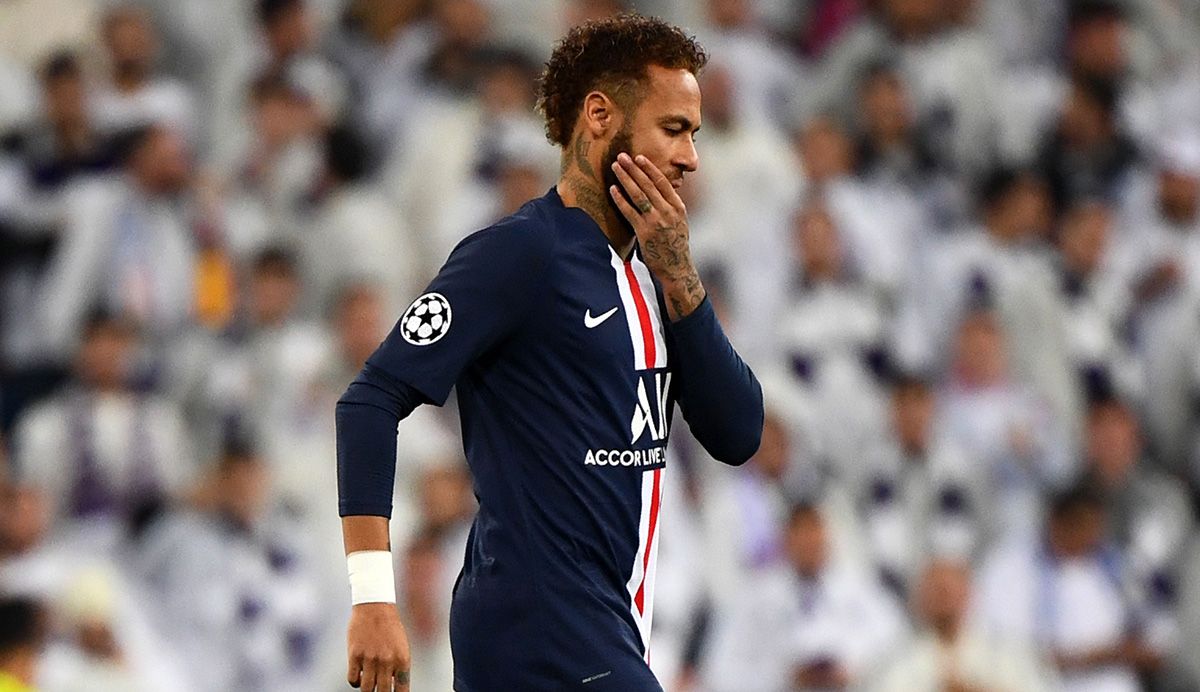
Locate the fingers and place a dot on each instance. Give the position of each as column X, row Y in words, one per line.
column 354, row 675
column 370, row 675
column 379, row 676
column 660, row 182
column 640, row 198
column 631, row 215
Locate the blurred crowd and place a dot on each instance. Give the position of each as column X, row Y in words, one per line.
column 958, row 241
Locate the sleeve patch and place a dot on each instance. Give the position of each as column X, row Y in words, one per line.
column 426, row 320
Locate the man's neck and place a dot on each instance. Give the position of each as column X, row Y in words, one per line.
column 946, row 630
column 582, row 185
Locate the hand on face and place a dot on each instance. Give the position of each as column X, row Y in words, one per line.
column 657, row 214
column 659, row 220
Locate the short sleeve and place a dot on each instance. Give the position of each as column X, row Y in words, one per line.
column 478, row 298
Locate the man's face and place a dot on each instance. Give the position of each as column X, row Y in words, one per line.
column 1024, row 212
column 245, row 486
column 132, row 43
column 772, row 456
column 106, row 356
column 1084, row 238
column 885, row 107
column 912, row 414
column 65, row 99
column 1179, row 196
column 1113, row 443
column 661, row 127
column 1077, row 532
column 162, row 163
column 360, row 325
column 825, row 150
column 291, row 32
column 818, row 245
column 980, row 353
column 1096, row 48
column 944, row 593
column 273, row 295
column 807, row 545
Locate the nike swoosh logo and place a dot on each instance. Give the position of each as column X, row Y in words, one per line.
column 593, row 322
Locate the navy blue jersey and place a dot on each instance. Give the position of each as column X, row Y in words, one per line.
column 567, row 374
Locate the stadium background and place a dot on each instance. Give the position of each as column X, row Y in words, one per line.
column 959, row 241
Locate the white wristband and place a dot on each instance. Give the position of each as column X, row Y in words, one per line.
column 371, row 577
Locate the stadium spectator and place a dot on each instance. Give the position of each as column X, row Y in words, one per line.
column 24, row 519
column 423, row 602
column 134, row 94
column 814, row 623
column 878, row 233
column 1162, row 256
column 101, row 449
column 951, row 654
column 461, row 144
column 263, row 364
column 233, row 586
column 127, row 246
column 744, row 515
column 1003, row 264
column 38, row 163
column 355, row 233
column 60, row 145
column 950, row 67
column 381, row 46
column 1017, row 448
column 1097, row 298
column 894, row 154
column 271, row 174
column 289, row 47
column 917, row 491
column 739, row 211
column 1150, row 512
column 1067, row 591
column 835, row 360
column 1087, row 154
column 87, row 653
column 767, row 81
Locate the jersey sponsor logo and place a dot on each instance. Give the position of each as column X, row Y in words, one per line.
column 649, row 418
column 426, row 320
column 593, row 322
column 655, row 456
column 647, row 412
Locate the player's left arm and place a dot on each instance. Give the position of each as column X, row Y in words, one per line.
column 717, row 393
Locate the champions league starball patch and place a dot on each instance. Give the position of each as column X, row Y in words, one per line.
column 426, row 320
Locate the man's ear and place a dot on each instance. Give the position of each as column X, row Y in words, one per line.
column 601, row 116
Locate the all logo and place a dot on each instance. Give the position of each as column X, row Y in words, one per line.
column 426, row 320
column 650, row 416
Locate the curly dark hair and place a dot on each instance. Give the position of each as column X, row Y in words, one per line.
column 610, row 54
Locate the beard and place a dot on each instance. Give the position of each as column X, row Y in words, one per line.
column 621, row 142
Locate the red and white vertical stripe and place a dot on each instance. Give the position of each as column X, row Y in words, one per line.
column 642, row 315
column 641, row 580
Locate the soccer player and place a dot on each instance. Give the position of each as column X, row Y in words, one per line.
column 571, row 329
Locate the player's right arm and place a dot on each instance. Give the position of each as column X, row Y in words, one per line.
column 377, row 645
column 484, row 291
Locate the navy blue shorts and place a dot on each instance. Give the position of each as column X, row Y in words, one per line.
column 517, row 638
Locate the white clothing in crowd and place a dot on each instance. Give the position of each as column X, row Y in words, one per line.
column 123, row 251
column 781, row 621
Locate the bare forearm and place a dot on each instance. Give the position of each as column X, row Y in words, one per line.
column 365, row 532
column 683, row 295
